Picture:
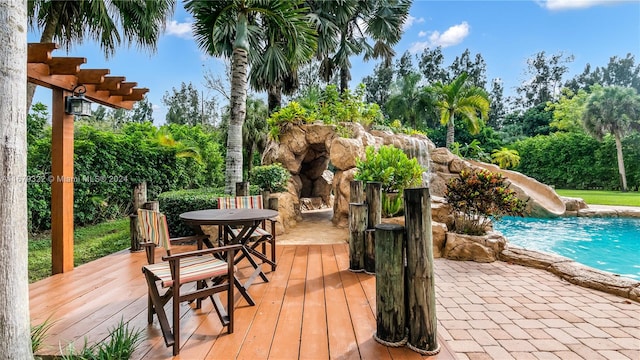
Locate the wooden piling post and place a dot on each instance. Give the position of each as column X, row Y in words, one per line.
column 370, row 251
column 374, row 204
column 242, row 188
column 420, row 277
column 357, row 226
column 390, row 298
column 138, row 198
column 356, row 192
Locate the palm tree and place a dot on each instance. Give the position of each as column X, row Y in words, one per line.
column 458, row 99
column 612, row 110
column 254, row 130
column 234, row 29
column 109, row 23
column 409, row 102
column 14, row 286
column 343, row 28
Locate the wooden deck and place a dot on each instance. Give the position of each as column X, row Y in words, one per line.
column 312, row 308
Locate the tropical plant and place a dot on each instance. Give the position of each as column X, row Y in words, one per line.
column 272, row 178
column 479, row 196
column 109, row 23
column 613, row 111
column 457, row 99
column 233, row 29
column 345, row 28
column 39, row 334
column 409, row 102
column 120, row 344
column 505, row 158
column 391, row 167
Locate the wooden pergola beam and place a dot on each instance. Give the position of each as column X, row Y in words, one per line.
column 62, row 75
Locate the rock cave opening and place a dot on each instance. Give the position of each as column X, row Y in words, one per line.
column 316, row 178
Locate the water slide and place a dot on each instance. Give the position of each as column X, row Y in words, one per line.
column 543, row 200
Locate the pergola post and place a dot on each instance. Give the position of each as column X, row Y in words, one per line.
column 61, row 184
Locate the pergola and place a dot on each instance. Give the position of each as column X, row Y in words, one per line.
column 62, row 75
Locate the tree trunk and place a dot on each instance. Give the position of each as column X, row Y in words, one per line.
column 344, row 79
column 621, row 171
column 233, row 172
column 274, row 98
column 450, row 131
column 14, row 289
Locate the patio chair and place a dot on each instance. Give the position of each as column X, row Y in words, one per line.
column 210, row 274
column 261, row 235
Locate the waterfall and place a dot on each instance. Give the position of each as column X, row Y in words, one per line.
column 419, row 150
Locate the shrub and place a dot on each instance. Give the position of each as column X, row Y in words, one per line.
column 478, row 196
column 120, row 344
column 272, row 178
column 174, row 203
column 390, row 166
column 108, row 164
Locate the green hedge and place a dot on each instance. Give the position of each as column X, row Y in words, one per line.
column 108, row 164
column 174, row 203
column 578, row 161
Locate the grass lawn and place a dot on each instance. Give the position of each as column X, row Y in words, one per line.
column 602, row 197
column 90, row 243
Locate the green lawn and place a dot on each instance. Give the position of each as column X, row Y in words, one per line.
column 90, row 243
column 601, row 197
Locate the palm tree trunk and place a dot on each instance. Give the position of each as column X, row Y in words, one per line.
column 621, row 171
column 14, row 287
column 46, row 37
column 344, row 79
column 239, row 66
column 274, row 98
column 450, row 131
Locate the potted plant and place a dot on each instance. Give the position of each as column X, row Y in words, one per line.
column 270, row 178
column 394, row 170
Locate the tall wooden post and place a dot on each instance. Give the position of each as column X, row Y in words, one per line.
column 61, row 184
column 356, row 192
column 357, row 226
column 374, row 204
column 390, row 298
column 242, row 188
column 138, row 198
column 420, row 277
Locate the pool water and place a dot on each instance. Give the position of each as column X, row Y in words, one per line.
column 609, row 244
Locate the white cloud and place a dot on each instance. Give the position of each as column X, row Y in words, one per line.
column 452, row 36
column 574, row 4
column 410, row 21
column 182, row 30
column 422, row 34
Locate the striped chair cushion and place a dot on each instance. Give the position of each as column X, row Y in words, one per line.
column 240, row 202
column 153, row 228
column 191, row 269
column 258, row 232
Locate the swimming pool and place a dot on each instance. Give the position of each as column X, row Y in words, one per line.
column 609, row 244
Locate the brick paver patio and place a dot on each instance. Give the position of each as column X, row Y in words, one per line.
column 503, row 311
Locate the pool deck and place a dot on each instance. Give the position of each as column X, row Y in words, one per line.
column 505, row 311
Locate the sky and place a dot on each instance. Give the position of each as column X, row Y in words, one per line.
column 505, row 33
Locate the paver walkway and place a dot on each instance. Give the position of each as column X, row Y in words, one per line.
column 502, row 311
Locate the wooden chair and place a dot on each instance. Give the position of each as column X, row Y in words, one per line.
column 210, row 274
column 261, row 235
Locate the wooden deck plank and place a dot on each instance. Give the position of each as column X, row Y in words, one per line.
column 342, row 341
column 362, row 318
column 313, row 307
column 258, row 341
column 314, row 337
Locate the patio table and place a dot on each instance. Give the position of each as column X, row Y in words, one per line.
column 247, row 220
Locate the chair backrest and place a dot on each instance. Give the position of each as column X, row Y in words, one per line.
column 240, row 202
column 153, row 228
